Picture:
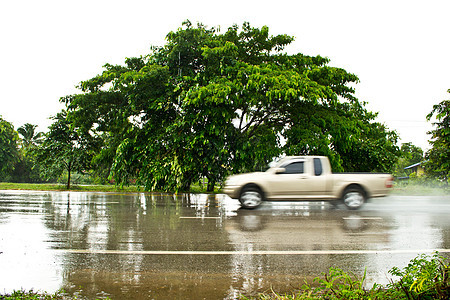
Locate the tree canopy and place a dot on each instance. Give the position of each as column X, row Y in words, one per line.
column 207, row 104
column 409, row 155
column 30, row 138
column 64, row 149
column 438, row 157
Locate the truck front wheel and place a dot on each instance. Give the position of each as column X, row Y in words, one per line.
column 251, row 197
column 353, row 197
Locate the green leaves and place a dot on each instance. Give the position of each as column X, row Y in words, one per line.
column 438, row 157
column 349, row 137
column 424, row 277
column 65, row 149
column 9, row 152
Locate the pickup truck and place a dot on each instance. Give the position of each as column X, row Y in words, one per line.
column 306, row 178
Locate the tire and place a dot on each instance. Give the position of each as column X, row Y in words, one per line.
column 251, row 197
column 353, row 197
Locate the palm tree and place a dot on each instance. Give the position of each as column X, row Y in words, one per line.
column 29, row 135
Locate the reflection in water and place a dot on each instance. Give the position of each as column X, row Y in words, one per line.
column 36, row 229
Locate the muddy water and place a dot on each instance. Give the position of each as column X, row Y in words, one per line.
column 158, row 246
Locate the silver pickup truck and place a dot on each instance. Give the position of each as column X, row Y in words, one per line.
column 306, row 178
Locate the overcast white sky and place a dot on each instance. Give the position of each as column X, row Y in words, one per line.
column 399, row 49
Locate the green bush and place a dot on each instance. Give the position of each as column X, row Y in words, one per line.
column 423, row 278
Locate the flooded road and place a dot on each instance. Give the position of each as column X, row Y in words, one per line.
column 157, row 246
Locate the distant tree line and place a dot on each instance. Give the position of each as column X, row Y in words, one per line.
column 206, row 105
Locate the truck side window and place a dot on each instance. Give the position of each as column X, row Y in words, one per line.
column 294, row 168
column 317, row 167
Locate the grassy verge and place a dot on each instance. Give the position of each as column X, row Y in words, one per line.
column 195, row 188
column 61, row 187
column 32, row 295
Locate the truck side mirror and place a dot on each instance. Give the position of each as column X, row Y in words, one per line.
column 280, row 170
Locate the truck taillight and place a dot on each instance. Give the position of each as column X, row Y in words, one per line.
column 390, row 182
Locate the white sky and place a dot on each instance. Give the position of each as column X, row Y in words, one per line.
column 400, row 50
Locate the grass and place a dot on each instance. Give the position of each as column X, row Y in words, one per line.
column 62, row 187
column 195, row 188
column 32, row 295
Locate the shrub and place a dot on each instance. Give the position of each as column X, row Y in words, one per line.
column 423, row 278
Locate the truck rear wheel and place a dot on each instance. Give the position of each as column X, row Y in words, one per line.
column 251, row 197
column 354, row 197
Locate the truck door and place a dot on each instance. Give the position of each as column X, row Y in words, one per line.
column 298, row 183
column 289, row 183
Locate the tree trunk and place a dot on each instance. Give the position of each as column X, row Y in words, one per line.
column 68, row 179
column 186, row 186
column 211, row 184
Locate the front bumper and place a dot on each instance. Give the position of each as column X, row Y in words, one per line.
column 232, row 191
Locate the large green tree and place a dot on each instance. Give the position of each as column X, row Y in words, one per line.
column 9, row 151
column 438, row 157
column 208, row 104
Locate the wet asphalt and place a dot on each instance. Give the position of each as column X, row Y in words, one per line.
column 161, row 246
